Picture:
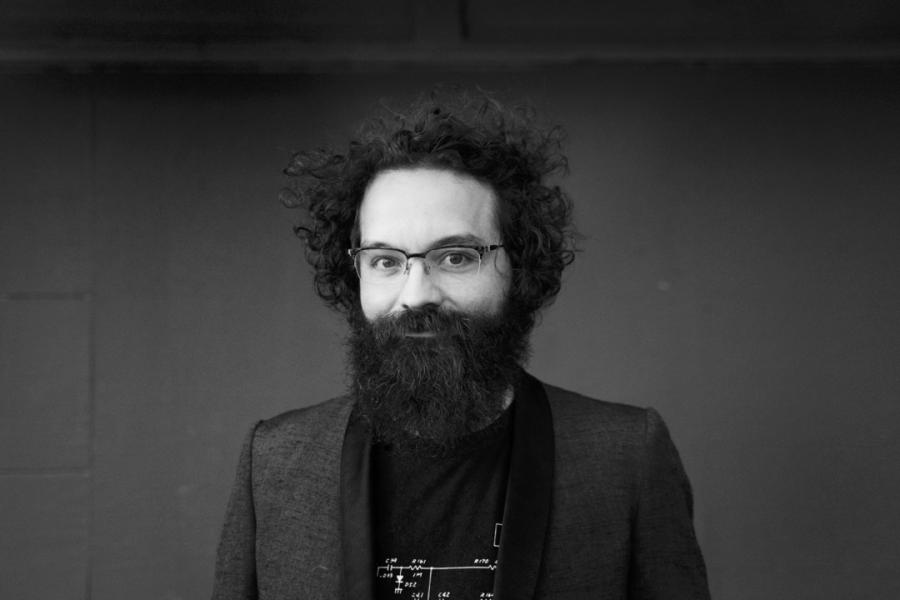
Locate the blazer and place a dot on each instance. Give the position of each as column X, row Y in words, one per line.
column 597, row 506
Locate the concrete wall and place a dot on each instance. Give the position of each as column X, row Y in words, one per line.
column 738, row 272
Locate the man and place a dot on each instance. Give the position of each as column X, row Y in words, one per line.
column 447, row 471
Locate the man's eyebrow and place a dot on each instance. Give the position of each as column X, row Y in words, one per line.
column 459, row 240
column 466, row 239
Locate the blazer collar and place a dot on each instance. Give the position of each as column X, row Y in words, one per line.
column 356, row 513
column 526, row 514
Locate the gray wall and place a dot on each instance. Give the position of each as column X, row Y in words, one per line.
column 738, row 272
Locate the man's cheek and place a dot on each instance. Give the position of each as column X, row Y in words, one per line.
column 375, row 302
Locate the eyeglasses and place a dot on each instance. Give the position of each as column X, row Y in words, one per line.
column 387, row 265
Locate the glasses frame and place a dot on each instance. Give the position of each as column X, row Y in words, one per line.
column 481, row 250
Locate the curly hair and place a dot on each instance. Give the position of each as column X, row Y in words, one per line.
column 473, row 135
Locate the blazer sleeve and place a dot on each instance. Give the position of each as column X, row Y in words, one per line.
column 235, row 575
column 666, row 559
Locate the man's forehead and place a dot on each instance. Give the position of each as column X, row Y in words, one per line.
column 427, row 205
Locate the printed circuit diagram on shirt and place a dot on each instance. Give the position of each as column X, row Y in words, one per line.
column 420, row 580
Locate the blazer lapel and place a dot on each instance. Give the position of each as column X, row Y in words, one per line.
column 356, row 513
column 526, row 515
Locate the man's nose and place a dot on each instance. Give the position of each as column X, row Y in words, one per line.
column 419, row 288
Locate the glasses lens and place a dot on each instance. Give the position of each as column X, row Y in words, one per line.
column 455, row 260
column 379, row 264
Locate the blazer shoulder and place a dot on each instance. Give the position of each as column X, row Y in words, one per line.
column 572, row 407
column 581, row 419
column 322, row 424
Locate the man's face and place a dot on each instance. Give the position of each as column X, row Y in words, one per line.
column 416, row 209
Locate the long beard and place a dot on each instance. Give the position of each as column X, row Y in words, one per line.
column 434, row 390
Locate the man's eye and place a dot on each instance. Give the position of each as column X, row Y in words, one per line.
column 384, row 263
column 458, row 259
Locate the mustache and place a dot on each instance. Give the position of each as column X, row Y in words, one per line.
column 440, row 322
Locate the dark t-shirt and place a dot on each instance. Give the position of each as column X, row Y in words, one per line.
column 438, row 516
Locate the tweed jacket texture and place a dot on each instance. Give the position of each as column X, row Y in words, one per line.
column 598, row 506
